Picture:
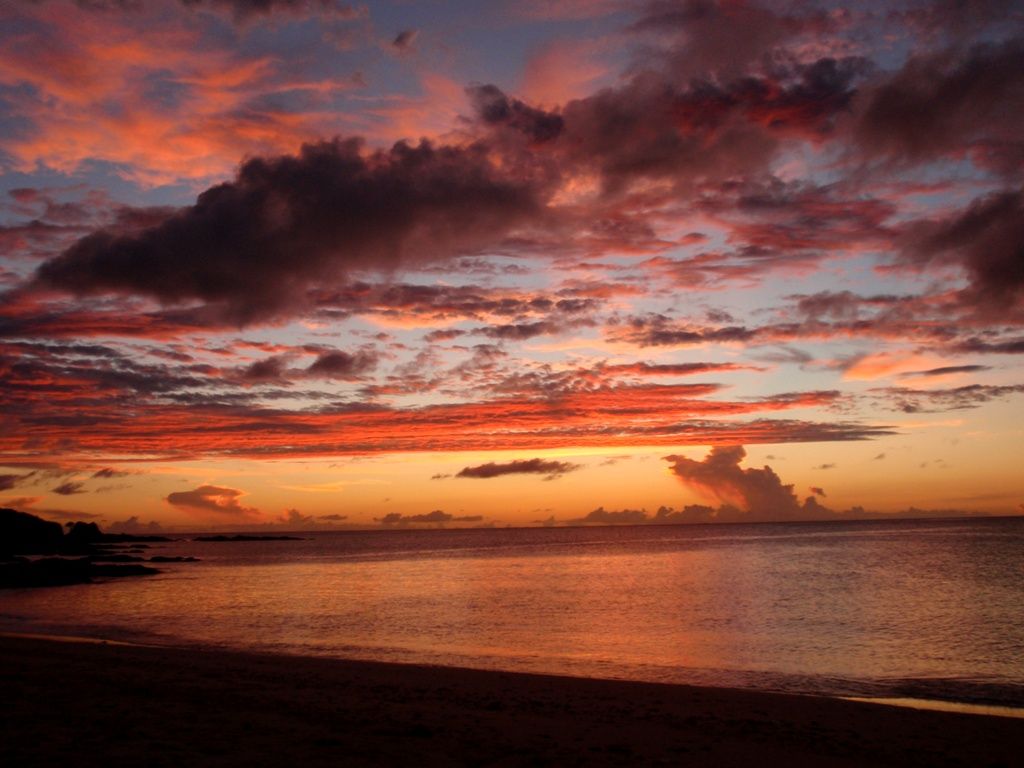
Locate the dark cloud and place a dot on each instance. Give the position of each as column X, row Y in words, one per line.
column 437, row 517
column 268, row 370
column 134, row 525
column 951, row 399
column 333, row 518
column 107, row 473
column 246, row 9
column 7, row 482
column 520, row 331
column 998, row 346
column 945, row 370
column 212, row 498
column 69, row 488
column 405, row 40
column 843, row 305
column 335, row 364
column 495, row 109
column 660, row 331
column 520, row 467
column 818, row 491
column 746, row 494
column 252, row 248
column 601, row 516
column 953, row 18
column 295, row 519
column 685, row 132
column 445, row 334
column 242, row 10
column 986, row 239
column 721, row 38
column 945, row 104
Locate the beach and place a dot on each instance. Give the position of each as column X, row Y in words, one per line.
column 88, row 703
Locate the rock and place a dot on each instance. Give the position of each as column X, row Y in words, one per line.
column 81, row 536
column 25, row 534
column 48, row 572
column 116, row 571
column 103, row 555
column 132, row 538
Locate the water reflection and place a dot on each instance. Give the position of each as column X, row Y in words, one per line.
column 826, row 607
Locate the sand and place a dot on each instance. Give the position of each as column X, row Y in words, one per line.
column 87, row 704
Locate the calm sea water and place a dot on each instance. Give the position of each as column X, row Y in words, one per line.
column 927, row 609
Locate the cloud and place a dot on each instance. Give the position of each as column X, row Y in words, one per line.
column 437, row 517
column 746, row 494
column 552, row 469
column 950, row 399
column 270, row 370
column 946, row 370
column 721, row 38
column 293, row 517
column 947, row 103
column 212, row 498
column 335, row 364
column 108, row 473
column 495, row 109
column 69, row 488
column 601, row 516
column 985, row 239
column 134, row 525
column 7, row 482
column 654, row 330
column 247, row 9
column 405, row 40
column 340, row 206
column 242, row 9
column 818, row 491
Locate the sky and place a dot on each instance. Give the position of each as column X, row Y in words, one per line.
column 311, row 264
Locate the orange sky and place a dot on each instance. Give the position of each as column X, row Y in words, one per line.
column 317, row 264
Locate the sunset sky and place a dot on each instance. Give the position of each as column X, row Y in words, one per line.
column 295, row 264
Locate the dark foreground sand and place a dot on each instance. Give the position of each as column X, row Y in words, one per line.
column 77, row 704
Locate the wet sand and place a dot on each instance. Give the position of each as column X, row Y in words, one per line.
column 89, row 704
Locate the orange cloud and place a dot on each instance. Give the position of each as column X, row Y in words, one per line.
column 184, row 110
column 222, row 502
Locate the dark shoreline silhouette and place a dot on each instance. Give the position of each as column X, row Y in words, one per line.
column 79, row 556
column 107, row 704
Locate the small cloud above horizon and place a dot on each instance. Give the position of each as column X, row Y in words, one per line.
column 437, row 517
column 551, row 469
column 212, row 498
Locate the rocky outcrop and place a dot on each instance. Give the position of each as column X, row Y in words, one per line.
column 25, row 534
column 61, row 571
column 88, row 553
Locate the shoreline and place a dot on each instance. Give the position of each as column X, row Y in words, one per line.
column 203, row 707
column 984, row 709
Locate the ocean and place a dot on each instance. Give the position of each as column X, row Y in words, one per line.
column 922, row 609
